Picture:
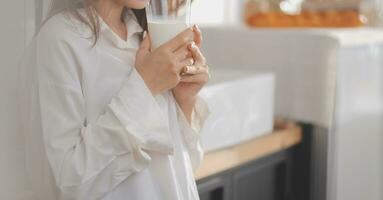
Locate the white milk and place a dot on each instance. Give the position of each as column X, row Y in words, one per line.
column 164, row 30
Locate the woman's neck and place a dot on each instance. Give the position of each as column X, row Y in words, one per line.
column 111, row 13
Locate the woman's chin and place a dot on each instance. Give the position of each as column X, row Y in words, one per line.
column 137, row 4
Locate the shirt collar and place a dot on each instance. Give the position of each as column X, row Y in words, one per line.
column 132, row 25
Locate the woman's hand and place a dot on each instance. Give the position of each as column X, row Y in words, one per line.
column 194, row 79
column 161, row 68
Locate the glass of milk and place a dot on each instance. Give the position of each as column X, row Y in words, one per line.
column 166, row 19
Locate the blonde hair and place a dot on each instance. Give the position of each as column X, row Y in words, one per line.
column 91, row 19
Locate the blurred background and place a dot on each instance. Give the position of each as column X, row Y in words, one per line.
column 312, row 12
column 296, row 94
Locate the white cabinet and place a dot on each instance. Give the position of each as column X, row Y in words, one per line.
column 356, row 154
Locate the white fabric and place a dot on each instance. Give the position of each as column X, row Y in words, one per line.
column 93, row 129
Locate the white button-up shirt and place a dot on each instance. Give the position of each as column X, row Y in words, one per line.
column 93, row 129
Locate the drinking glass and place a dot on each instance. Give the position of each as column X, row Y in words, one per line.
column 166, row 19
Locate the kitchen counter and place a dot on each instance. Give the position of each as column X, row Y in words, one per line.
column 285, row 135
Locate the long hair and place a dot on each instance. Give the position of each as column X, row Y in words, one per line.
column 91, row 19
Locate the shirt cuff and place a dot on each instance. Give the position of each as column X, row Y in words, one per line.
column 192, row 131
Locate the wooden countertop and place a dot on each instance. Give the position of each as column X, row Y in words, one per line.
column 285, row 135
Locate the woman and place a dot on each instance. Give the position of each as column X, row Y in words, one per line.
column 106, row 117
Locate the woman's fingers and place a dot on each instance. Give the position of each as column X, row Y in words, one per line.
column 196, row 78
column 192, row 70
column 145, row 44
column 144, row 48
column 187, row 64
column 197, row 55
column 183, row 52
column 197, row 35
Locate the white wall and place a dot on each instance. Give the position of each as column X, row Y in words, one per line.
column 16, row 31
column 217, row 12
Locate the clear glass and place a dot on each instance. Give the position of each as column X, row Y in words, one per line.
column 166, row 19
column 373, row 11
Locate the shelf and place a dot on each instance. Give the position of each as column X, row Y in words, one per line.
column 284, row 136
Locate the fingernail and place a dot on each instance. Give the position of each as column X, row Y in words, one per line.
column 196, row 28
column 145, row 34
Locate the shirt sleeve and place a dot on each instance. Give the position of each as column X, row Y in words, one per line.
column 192, row 131
column 89, row 160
